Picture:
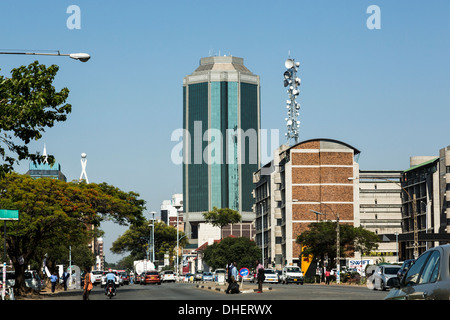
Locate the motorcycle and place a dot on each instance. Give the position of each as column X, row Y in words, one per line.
column 110, row 289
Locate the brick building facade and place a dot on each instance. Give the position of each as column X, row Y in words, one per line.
column 310, row 176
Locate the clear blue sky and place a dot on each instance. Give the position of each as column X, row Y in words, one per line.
column 385, row 92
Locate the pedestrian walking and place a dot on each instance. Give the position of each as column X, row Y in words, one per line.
column 87, row 284
column 53, row 280
column 260, row 277
column 65, row 277
column 327, row 276
column 233, row 286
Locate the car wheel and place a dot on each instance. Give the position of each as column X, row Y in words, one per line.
column 382, row 286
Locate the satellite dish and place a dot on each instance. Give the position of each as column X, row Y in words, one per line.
column 289, row 63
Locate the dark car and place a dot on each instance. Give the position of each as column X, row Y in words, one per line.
column 427, row 278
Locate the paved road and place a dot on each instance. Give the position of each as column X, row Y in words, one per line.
column 189, row 291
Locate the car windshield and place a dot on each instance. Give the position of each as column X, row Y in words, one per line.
column 220, row 271
column 391, row 270
column 293, row 270
column 268, row 271
column 152, row 273
column 168, row 272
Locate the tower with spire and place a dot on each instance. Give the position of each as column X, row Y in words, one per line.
column 45, row 170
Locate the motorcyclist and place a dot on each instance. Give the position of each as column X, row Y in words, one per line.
column 110, row 278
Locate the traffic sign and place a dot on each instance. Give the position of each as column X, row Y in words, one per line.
column 244, row 272
column 9, row 214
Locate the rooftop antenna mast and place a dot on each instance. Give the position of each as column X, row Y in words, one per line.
column 292, row 82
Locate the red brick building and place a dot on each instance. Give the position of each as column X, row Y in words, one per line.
column 311, row 175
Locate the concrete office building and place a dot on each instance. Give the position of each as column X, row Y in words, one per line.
column 221, row 118
column 311, row 175
column 380, row 211
column 427, row 223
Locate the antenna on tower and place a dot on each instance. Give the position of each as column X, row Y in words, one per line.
column 83, row 168
column 292, row 82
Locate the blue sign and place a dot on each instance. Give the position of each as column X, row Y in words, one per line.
column 244, row 272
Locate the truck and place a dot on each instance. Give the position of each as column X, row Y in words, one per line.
column 141, row 266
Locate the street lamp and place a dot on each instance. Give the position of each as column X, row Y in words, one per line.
column 153, row 236
column 83, row 57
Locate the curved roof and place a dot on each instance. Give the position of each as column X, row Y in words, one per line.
column 356, row 151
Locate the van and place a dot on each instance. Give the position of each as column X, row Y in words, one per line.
column 291, row 274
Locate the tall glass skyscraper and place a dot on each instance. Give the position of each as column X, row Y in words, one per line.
column 221, row 118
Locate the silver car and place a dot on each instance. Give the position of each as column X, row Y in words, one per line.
column 385, row 276
column 427, row 278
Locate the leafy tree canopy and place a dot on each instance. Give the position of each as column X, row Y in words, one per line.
column 241, row 250
column 29, row 103
column 222, row 217
column 320, row 240
column 54, row 212
column 136, row 239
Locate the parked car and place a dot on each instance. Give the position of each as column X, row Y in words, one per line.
column 249, row 277
column 116, row 279
column 291, row 274
column 151, row 277
column 385, row 276
column 167, row 275
column 97, row 277
column 207, row 276
column 198, row 275
column 427, row 278
column 219, row 274
column 32, row 279
column 271, row 276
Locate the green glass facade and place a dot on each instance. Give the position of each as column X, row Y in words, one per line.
column 215, row 114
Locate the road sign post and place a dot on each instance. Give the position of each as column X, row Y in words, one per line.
column 243, row 272
column 6, row 215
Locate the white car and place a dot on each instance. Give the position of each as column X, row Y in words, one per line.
column 167, row 275
column 291, row 274
column 116, row 279
column 271, row 276
column 97, row 276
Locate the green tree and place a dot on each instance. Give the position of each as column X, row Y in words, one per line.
column 135, row 240
column 222, row 217
column 54, row 212
column 320, row 240
column 241, row 250
column 29, row 103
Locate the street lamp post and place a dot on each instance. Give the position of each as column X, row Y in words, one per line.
column 83, row 57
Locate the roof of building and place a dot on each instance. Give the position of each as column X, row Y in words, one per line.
column 422, row 164
column 356, row 151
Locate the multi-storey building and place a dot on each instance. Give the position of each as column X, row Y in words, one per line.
column 380, row 211
column 305, row 179
column 426, row 209
column 221, row 121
